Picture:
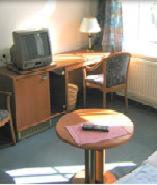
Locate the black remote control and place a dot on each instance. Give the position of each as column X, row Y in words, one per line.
column 95, row 128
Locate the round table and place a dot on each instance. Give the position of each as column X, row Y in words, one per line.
column 94, row 152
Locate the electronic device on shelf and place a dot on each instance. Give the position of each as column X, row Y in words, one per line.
column 31, row 49
column 95, row 128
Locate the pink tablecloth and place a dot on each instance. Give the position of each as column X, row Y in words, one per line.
column 86, row 137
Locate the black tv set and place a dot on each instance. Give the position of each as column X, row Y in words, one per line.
column 31, row 49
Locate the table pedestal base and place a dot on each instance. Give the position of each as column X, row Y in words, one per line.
column 94, row 169
column 79, row 178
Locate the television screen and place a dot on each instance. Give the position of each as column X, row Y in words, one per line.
column 35, row 46
column 31, row 49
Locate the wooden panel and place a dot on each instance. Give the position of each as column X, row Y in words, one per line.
column 32, row 100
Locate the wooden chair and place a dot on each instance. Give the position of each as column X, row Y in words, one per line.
column 5, row 115
column 110, row 75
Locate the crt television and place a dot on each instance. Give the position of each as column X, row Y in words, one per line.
column 31, row 49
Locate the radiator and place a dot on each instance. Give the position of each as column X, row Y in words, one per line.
column 142, row 81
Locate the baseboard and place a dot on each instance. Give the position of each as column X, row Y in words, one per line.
column 143, row 100
column 34, row 130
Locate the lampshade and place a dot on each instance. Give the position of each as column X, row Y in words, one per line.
column 90, row 25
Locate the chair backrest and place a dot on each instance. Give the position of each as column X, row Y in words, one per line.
column 117, row 68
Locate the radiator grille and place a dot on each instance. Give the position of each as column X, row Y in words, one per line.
column 142, row 81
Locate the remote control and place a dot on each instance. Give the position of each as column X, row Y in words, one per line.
column 95, row 128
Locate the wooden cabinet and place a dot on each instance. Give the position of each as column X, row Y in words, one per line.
column 31, row 97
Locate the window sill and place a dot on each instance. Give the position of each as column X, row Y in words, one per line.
column 145, row 57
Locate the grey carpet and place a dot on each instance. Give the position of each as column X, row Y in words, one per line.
column 47, row 150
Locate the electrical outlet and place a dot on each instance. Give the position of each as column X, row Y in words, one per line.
column 5, row 56
column 3, row 59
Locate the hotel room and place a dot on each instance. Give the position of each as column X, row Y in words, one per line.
column 53, row 129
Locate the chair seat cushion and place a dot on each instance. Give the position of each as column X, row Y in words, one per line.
column 98, row 79
column 3, row 114
column 95, row 78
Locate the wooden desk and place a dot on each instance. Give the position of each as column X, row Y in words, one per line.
column 31, row 89
column 94, row 152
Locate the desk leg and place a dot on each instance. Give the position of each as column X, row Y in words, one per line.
column 84, row 88
column 99, row 166
column 66, row 89
column 90, row 166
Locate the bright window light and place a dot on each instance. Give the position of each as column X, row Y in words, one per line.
column 58, row 174
column 44, row 175
column 110, row 166
column 69, row 169
column 41, row 179
column 31, row 171
column 140, row 27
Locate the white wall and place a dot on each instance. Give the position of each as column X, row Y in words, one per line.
column 62, row 17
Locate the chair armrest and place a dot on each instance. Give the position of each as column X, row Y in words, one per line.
column 6, row 93
column 93, row 67
column 8, row 99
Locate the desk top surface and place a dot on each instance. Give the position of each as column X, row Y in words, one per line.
column 66, row 60
column 99, row 115
column 74, row 58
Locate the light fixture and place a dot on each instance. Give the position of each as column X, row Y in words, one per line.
column 90, row 25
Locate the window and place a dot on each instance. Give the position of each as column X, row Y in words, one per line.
column 140, row 26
